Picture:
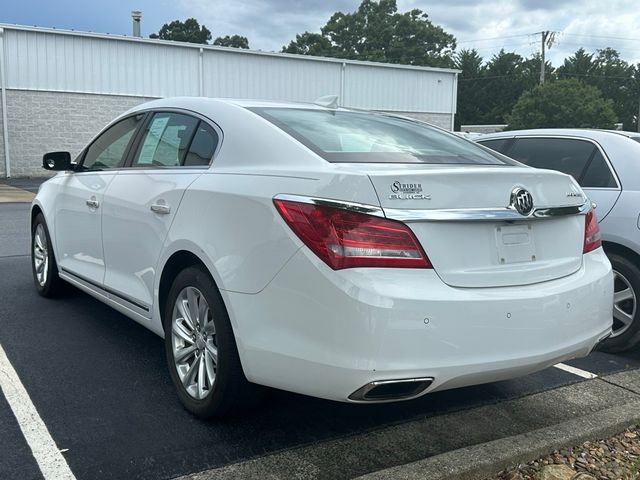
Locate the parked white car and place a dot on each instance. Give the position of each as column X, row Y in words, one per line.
column 346, row 255
column 606, row 164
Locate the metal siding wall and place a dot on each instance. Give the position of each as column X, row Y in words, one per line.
column 229, row 74
column 384, row 88
column 47, row 61
column 84, row 63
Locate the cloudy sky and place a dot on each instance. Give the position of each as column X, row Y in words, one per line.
column 486, row 25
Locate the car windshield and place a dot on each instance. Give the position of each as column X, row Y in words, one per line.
column 345, row 136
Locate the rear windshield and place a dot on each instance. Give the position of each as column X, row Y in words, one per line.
column 340, row 136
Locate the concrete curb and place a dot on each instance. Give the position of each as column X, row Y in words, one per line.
column 10, row 194
column 487, row 459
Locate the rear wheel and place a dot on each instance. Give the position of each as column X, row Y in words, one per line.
column 626, row 321
column 43, row 261
column 200, row 347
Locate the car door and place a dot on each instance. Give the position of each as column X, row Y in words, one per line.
column 582, row 158
column 141, row 201
column 78, row 205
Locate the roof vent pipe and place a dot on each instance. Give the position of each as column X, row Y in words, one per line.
column 136, row 15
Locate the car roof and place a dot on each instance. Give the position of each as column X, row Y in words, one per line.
column 206, row 102
column 595, row 134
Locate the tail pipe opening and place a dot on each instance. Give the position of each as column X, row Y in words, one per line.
column 385, row 390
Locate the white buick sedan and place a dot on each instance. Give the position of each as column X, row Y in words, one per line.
column 343, row 254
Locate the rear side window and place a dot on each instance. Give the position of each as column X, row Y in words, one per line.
column 565, row 155
column 202, row 147
column 598, row 174
column 499, row 144
column 343, row 136
column 166, row 140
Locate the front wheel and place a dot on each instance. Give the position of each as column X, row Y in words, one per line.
column 626, row 315
column 200, row 347
column 43, row 261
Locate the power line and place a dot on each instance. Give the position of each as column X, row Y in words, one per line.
column 601, row 36
column 492, row 77
column 618, row 77
column 575, row 44
column 500, row 46
column 496, row 38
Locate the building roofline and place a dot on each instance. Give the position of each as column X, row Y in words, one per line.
column 127, row 38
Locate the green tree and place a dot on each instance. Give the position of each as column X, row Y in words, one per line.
column 187, row 31
column 235, row 41
column 377, row 32
column 580, row 64
column 504, row 84
column 617, row 79
column 308, row 43
column 471, row 102
column 562, row 104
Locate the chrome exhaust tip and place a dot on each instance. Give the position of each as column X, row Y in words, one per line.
column 386, row 390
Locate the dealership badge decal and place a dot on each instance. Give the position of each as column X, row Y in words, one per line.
column 407, row 191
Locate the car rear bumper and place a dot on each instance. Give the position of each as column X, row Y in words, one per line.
column 329, row 333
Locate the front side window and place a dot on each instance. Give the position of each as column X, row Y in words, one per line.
column 565, row 155
column 108, row 150
column 344, row 136
column 165, row 141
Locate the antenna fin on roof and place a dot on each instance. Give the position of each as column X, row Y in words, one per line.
column 329, row 101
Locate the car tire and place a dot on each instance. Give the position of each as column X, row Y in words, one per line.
column 626, row 279
column 212, row 332
column 43, row 261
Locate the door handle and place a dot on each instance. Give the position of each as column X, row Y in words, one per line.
column 92, row 203
column 160, row 208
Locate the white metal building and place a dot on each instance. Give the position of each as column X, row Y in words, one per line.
column 59, row 88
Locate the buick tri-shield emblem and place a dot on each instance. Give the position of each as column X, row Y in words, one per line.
column 522, row 201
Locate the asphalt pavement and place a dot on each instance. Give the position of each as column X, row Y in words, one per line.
column 99, row 382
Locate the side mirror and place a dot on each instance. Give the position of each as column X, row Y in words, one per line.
column 57, row 161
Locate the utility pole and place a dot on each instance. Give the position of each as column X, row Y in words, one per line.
column 547, row 38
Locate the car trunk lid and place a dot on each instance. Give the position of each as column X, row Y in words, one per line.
column 463, row 219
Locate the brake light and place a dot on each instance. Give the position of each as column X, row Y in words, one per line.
column 346, row 239
column 591, row 232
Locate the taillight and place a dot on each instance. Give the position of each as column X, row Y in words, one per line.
column 346, row 239
column 591, row 232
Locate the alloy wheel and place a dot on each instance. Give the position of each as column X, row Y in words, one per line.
column 194, row 343
column 624, row 304
column 40, row 255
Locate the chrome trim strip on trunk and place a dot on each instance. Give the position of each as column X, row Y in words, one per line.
column 483, row 214
column 443, row 215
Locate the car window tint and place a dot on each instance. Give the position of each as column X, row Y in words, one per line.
column 346, row 136
column 165, row 140
column 565, row 155
column 108, row 149
column 497, row 144
column 202, row 147
column 598, row 174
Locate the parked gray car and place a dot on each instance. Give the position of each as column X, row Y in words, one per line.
column 606, row 163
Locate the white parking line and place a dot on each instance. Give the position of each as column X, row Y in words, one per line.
column 51, row 462
column 576, row 371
